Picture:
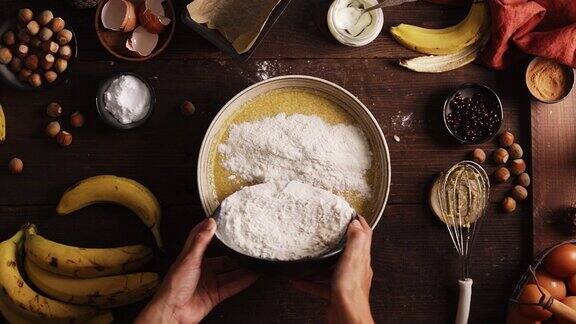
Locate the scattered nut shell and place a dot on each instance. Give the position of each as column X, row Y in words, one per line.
column 502, row 174
column 25, row 15
column 187, row 108
column 5, row 55
column 64, row 138
column 31, row 62
column 50, row 76
column 478, row 156
column 52, row 129
column 50, row 47
column 57, row 24
column 500, row 156
column 64, row 36
column 65, row 52
column 22, row 51
column 517, row 166
column 519, row 193
column 23, row 36
column 35, row 80
column 47, row 62
column 515, row 151
column 60, row 65
column 15, row 64
column 506, row 139
column 54, row 110
column 524, row 180
column 9, row 38
column 77, row 119
column 15, row 166
column 508, row 205
column 45, row 17
column 24, row 75
column 32, row 27
column 45, row 34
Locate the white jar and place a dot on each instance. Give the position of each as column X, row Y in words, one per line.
column 368, row 34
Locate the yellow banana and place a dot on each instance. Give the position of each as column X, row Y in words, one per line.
column 118, row 190
column 28, row 301
column 103, row 292
column 10, row 312
column 83, row 262
column 446, row 40
column 2, row 125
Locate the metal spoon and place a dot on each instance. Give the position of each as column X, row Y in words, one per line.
column 388, row 3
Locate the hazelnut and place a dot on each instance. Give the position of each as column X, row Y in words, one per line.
column 47, row 61
column 24, row 74
column 519, row 193
column 502, row 174
column 50, row 76
column 64, row 138
column 45, row 34
column 524, row 180
column 45, row 17
column 77, row 119
column 50, row 47
column 23, row 36
column 35, row 80
column 500, row 156
column 9, row 38
column 25, row 15
column 31, row 62
column 515, row 151
column 57, row 24
column 15, row 65
column 15, row 166
column 52, row 129
column 60, row 65
column 5, row 55
column 478, row 156
column 187, row 108
column 35, row 42
column 54, row 110
column 65, row 52
column 506, row 139
column 64, row 36
column 517, row 166
column 508, row 205
column 32, row 28
column 22, row 51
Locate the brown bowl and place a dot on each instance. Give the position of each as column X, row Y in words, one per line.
column 115, row 41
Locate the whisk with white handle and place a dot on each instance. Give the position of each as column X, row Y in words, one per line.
column 462, row 194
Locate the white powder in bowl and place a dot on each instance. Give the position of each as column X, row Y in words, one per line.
column 283, row 220
column 127, row 99
column 299, row 147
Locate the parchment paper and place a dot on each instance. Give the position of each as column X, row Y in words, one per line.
column 239, row 21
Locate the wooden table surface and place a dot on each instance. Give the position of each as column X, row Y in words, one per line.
column 414, row 262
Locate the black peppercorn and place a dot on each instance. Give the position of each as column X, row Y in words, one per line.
column 473, row 119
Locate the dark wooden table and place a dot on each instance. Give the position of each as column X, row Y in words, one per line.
column 414, row 262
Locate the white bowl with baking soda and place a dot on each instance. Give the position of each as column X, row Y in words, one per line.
column 296, row 128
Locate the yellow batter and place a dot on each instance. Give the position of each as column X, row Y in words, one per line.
column 289, row 101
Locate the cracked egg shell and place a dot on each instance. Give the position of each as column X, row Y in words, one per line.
column 119, row 15
column 152, row 16
column 142, row 42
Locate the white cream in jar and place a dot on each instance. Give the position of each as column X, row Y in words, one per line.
column 350, row 25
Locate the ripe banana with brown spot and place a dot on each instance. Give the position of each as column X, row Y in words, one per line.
column 118, row 190
column 103, row 292
column 2, row 125
column 28, row 301
column 83, row 262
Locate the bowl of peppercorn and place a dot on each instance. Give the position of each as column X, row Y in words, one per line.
column 473, row 114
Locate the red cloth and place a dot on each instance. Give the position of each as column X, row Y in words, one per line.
column 544, row 28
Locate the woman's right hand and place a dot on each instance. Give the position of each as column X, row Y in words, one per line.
column 349, row 289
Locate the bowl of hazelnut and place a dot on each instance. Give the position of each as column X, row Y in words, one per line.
column 36, row 50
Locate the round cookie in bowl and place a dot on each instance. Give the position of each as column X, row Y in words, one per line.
column 297, row 128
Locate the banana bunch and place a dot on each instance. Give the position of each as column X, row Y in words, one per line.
column 77, row 284
column 450, row 47
column 2, row 125
column 118, row 190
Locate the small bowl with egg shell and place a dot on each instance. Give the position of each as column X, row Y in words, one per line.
column 107, row 117
column 10, row 78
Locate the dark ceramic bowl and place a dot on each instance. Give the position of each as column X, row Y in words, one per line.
column 292, row 268
column 11, row 79
column 107, row 117
column 468, row 90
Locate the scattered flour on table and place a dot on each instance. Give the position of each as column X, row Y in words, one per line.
column 299, row 147
column 283, row 220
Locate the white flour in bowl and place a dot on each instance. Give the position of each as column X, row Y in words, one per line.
column 283, row 220
column 299, row 147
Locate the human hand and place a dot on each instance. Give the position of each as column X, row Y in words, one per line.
column 349, row 289
column 194, row 285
